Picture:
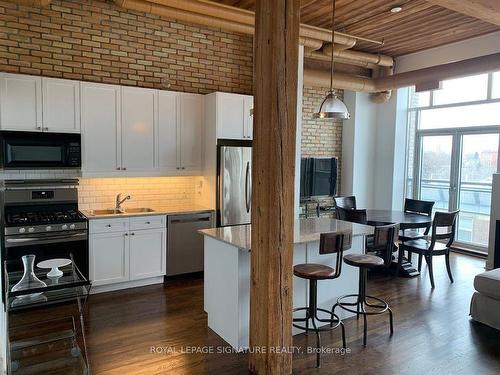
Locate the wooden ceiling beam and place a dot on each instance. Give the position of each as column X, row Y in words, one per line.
column 485, row 10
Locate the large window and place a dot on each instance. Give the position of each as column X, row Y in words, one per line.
column 453, row 143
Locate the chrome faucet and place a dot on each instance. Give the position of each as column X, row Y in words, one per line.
column 119, row 201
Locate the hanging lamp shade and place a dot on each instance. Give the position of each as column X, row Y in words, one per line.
column 332, row 108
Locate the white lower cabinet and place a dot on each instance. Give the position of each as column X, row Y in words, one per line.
column 147, row 255
column 109, row 258
column 118, row 256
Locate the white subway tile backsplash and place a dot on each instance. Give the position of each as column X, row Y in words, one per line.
column 98, row 193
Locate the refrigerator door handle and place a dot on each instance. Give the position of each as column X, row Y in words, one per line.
column 247, row 180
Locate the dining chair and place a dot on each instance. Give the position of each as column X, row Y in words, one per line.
column 348, row 203
column 382, row 245
column 352, row 215
column 443, row 229
column 420, row 207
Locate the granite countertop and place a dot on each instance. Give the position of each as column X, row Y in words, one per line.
column 310, row 231
column 157, row 210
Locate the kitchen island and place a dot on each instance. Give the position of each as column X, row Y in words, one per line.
column 227, row 273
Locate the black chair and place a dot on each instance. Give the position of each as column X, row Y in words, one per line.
column 443, row 229
column 329, row 244
column 380, row 247
column 352, row 215
column 419, row 207
column 384, row 239
column 349, row 203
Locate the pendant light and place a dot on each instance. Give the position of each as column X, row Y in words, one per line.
column 332, row 107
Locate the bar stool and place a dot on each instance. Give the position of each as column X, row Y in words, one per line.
column 330, row 243
column 383, row 242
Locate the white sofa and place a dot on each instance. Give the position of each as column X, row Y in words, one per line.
column 485, row 304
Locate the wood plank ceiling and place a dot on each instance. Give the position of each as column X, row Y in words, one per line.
column 420, row 25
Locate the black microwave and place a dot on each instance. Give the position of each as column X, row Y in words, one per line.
column 32, row 150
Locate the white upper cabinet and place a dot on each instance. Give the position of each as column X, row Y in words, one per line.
column 61, row 105
column 191, row 131
column 180, row 132
column 169, row 153
column 230, row 116
column 139, row 118
column 101, row 120
column 248, row 125
column 20, row 102
column 233, row 116
column 125, row 130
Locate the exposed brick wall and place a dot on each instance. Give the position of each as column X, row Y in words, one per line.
column 94, row 40
column 100, row 42
column 320, row 138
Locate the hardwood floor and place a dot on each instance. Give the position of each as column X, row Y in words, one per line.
column 433, row 332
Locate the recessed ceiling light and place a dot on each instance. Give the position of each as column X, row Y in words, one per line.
column 396, row 9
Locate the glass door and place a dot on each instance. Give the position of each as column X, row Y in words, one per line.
column 455, row 170
column 434, row 180
column 478, row 163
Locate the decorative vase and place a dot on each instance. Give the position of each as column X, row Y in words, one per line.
column 29, row 279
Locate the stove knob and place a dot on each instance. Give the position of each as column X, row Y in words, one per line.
column 31, row 230
column 72, row 226
column 48, row 228
column 64, row 227
column 22, row 230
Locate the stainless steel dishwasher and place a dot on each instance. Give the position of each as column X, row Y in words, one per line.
column 185, row 244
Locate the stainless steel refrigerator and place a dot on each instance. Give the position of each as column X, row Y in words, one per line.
column 234, row 187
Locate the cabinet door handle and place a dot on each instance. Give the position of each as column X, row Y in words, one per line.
column 108, row 226
column 124, row 169
column 183, row 168
column 126, row 234
column 118, row 168
column 148, row 222
column 46, row 128
column 132, row 234
column 39, row 128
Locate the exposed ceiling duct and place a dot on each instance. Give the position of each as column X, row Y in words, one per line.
column 477, row 65
column 225, row 17
column 31, row 3
column 316, row 41
column 318, row 44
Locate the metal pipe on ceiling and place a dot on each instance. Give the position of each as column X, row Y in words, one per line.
column 225, row 17
column 477, row 65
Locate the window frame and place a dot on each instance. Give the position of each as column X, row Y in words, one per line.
column 457, row 133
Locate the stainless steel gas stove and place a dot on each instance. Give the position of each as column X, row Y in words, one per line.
column 41, row 217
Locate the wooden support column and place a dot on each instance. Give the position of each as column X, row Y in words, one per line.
column 275, row 98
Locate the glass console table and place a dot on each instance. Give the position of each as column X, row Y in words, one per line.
column 46, row 346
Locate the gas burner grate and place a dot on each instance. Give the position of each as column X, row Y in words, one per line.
column 43, row 217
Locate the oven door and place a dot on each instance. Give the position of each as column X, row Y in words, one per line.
column 50, row 246
column 40, row 150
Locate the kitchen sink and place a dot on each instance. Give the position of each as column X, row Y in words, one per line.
column 109, row 211
column 137, row 210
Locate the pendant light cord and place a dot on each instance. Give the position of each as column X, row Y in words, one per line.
column 333, row 45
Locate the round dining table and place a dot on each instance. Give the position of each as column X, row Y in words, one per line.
column 406, row 221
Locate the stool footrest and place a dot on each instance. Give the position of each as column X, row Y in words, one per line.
column 382, row 308
column 334, row 322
